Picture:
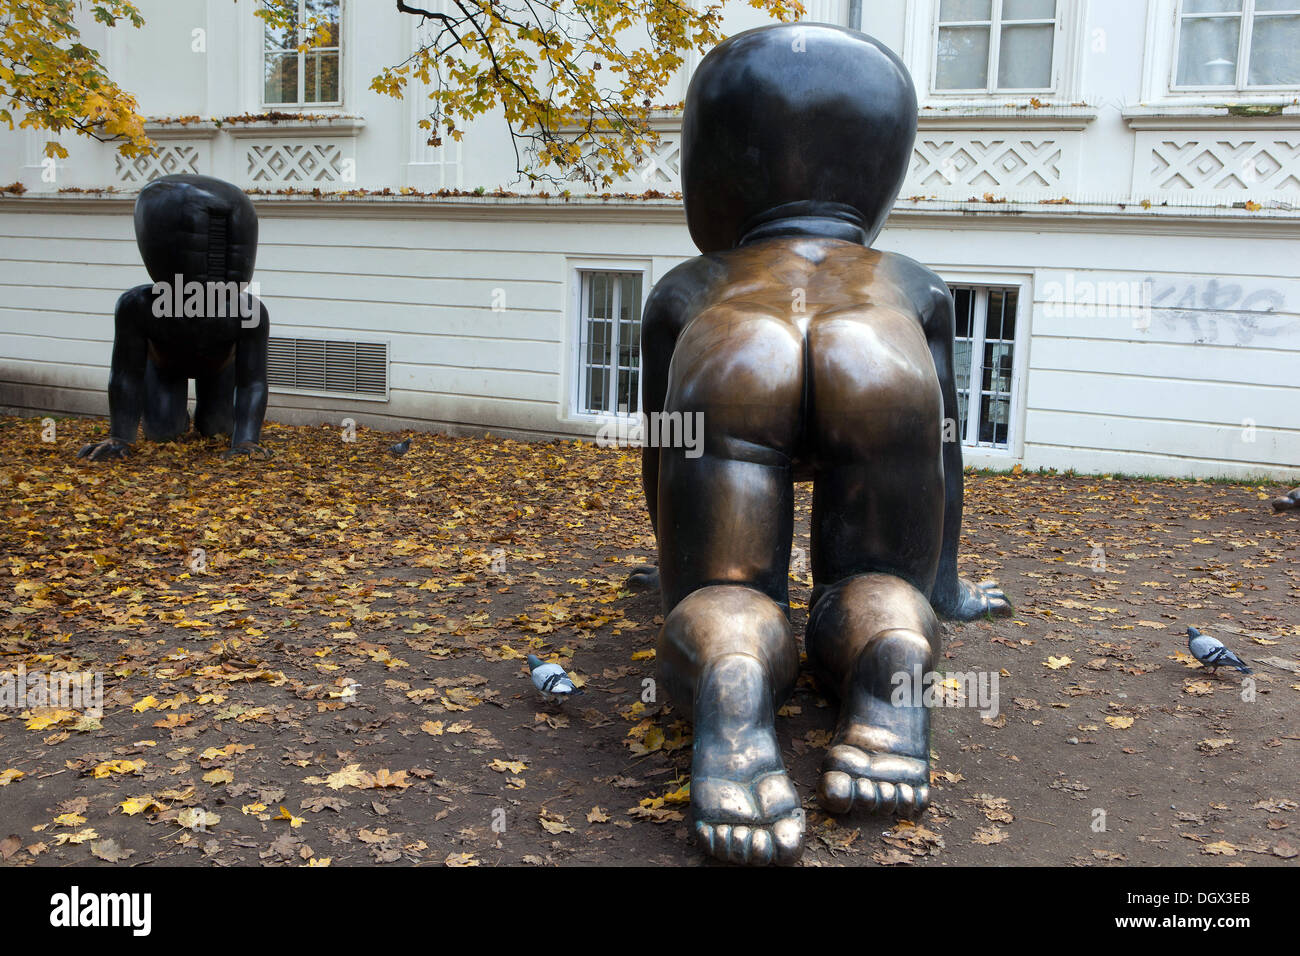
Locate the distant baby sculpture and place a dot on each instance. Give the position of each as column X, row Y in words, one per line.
column 809, row 355
column 198, row 238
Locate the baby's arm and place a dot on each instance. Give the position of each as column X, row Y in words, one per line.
column 672, row 303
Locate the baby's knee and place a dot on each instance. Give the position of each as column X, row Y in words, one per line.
column 853, row 613
column 719, row 620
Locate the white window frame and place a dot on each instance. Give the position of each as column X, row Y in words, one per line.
column 1160, row 67
column 982, row 283
column 920, row 31
column 990, row 88
column 835, row 12
column 1245, row 35
column 301, row 103
column 580, row 270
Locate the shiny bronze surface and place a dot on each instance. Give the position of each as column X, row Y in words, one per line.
column 810, row 357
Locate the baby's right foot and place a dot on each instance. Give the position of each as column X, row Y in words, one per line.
column 746, row 809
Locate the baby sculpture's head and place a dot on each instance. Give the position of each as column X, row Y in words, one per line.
column 198, row 227
column 794, row 120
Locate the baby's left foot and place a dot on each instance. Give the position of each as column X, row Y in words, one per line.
column 879, row 758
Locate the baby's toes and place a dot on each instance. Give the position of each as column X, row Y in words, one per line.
column 905, row 798
column 739, row 845
column 704, row 836
column 761, row 847
column 787, row 838
column 920, row 800
column 835, row 791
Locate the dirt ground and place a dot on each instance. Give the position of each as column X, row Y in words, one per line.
column 318, row 660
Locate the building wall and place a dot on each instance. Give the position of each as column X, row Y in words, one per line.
column 1196, row 376
column 1113, row 180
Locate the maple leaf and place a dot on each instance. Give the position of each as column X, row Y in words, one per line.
column 385, row 779
column 294, row 822
column 110, row 767
column 134, row 805
column 110, row 851
column 989, row 835
column 196, row 818
column 350, row 776
column 553, row 823
column 1219, row 848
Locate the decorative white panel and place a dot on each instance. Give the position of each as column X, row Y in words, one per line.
column 298, row 163
column 1194, row 162
column 167, row 159
column 662, row 170
column 953, row 164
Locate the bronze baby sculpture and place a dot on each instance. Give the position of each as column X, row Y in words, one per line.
column 810, row 356
column 198, row 320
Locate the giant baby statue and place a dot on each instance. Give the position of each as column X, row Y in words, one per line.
column 809, row 355
column 198, row 238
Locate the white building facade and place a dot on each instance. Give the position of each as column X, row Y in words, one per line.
column 1110, row 187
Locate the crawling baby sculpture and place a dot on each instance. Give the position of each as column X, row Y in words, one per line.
column 809, row 355
column 198, row 238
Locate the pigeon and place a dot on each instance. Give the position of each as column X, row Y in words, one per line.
column 550, row 679
column 1288, row 502
column 401, row 448
column 1211, row 652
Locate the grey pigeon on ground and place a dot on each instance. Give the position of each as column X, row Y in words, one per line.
column 401, row 448
column 550, row 679
column 1211, row 652
column 1288, row 502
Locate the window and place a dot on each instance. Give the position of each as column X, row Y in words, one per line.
column 609, row 344
column 1237, row 44
column 309, row 77
column 995, row 46
column 986, row 328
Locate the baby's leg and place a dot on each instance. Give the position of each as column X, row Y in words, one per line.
column 878, row 511
column 214, row 402
column 727, row 656
column 726, row 653
column 868, row 637
column 166, row 408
